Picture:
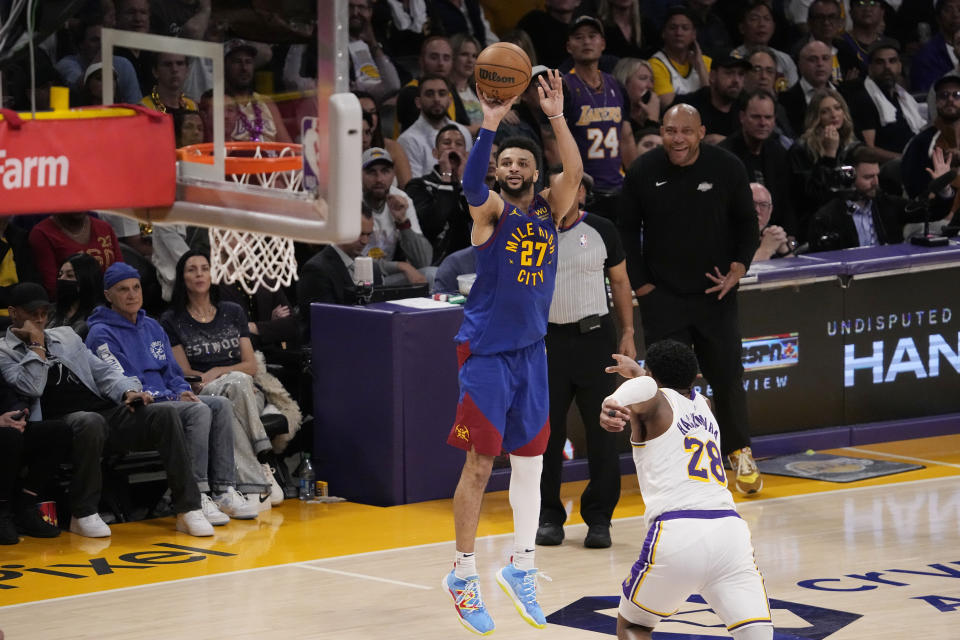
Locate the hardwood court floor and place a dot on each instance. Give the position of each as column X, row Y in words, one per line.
column 869, row 560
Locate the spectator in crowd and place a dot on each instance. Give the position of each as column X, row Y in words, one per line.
column 462, row 16
column 762, row 76
column 188, row 127
column 827, row 143
column 636, row 77
column 581, row 335
column 854, row 46
column 377, row 139
column 79, row 291
column 419, row 139
column 181, row 18
column 679, row 67
column 596, row 113
column 73, row 68
column 211, row 339
column 38, row 447
column 718, row 103
column 436, row 59
column 522, row 39
column 58, row 237
column 543, row 25
column 686, row 213
column 90, row 93
column 885, row 115
column 125, row 337
column 773, row 238
column 763, row 156
column 756, row 28
column 406, row 23
column 628, row 32
column 712, row 32
column 16, row 264
column 456, row 264
column 371, row 70
column 105, row 410
column 944, row 134
column 438, row 196
column 648, row 139
column 954, row 43
column 465, row 51
column 397, row 241
column 825, row 22
column 815, row 72
column 257, row 116
column 868, row 217
column 134, row 15
column 937, row 57
column 169, row 72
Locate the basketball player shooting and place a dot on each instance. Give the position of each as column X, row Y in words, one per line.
column 504, row 399
column 696, row 541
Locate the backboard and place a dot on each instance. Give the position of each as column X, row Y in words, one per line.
column 207, row 197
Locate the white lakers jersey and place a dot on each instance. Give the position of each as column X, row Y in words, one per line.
column 683, row 468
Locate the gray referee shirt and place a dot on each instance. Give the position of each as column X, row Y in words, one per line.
column 586, row 248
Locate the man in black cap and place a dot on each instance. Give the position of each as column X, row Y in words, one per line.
column 104, row 408
column 717, row 103
column 596, row 110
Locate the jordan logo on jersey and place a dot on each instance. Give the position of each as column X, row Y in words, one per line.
column 536, row 247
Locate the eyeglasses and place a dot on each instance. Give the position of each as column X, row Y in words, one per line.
column 763, row 205
column 768, row 70
column 865, row 3
column 946, row 95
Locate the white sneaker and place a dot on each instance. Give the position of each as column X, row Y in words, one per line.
column 276, row 493
column 258, row 501
column 91, row 526
column 194, row 523
column 232, row 503
column 212, row 512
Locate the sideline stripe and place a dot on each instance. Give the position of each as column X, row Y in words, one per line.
column 899, row 457
column 365, row 577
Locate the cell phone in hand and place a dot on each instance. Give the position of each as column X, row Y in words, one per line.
column 192, row 379
column 19, row 415
column 135, row 402
column 645, row 98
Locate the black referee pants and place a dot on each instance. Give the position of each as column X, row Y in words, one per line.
column 575, row 363
column 712, row 328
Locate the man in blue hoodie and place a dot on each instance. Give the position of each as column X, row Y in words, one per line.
column 134, row 343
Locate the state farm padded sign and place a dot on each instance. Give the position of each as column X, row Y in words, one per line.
column 76, row 164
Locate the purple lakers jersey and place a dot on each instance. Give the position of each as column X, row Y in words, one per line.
column 516, row 269
column 596, row 120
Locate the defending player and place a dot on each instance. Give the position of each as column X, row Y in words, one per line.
column 696, row 541
column 504, row 398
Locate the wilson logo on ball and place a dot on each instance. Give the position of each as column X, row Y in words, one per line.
column 492, row 76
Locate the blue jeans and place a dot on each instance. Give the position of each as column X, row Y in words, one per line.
column 209, row 434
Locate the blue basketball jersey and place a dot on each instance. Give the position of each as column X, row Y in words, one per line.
column 516, row 269
column 596, row 120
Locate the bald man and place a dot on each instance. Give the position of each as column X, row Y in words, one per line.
column 690, row 231
column 773, row 239
column 815, row 64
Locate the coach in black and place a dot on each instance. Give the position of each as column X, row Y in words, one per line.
column 689, row 230
column 580, row 338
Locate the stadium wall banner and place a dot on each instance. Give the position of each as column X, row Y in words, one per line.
column 97, row 158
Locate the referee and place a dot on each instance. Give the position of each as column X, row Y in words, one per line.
column 580, row 338
column 690, row 231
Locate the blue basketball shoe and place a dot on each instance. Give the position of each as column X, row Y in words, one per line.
column 469, row 603
column 521, row 586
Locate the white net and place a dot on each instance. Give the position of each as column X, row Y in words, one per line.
column 255, row 260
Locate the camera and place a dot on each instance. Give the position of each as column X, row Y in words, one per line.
column 841, row 178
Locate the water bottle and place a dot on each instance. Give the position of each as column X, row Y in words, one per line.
column 307, row 479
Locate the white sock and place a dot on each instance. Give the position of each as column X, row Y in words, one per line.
column 523, row 558
column 525, row 501
column 465, row 565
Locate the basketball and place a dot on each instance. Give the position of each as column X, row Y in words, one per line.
column 502, row 71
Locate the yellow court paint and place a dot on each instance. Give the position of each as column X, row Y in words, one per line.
column 151, row 552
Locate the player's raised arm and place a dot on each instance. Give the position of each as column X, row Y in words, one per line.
column 564, row 190
column 485, row 205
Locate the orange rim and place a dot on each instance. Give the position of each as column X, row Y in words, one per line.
column 240, row 165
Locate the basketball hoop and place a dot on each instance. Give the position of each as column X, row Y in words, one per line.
column 251, row 259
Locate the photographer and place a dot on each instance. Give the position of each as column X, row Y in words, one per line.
column 438, row 196
column 864, row 216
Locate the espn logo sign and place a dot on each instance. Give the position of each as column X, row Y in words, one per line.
column 770, row 352
column 36, row 171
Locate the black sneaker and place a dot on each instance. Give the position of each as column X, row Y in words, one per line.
column 29, row 522
column 8, row 531
column 598, row 537
column 549, row 535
